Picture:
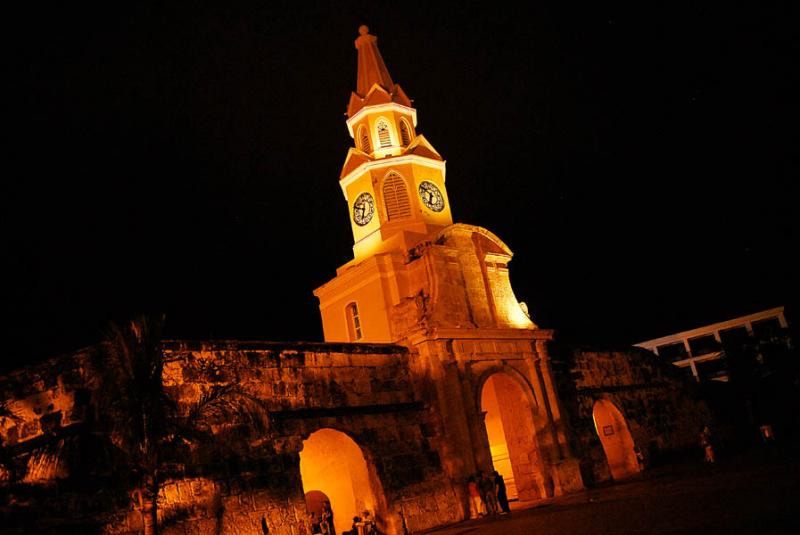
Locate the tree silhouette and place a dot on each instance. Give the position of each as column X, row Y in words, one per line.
column 7, row 467
column 144, row 423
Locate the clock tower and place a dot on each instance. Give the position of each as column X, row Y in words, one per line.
column 442, row 290
column 392, row 178
column 412, row 266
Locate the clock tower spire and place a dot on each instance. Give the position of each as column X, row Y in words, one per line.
column 414, row 272
column 392, row 178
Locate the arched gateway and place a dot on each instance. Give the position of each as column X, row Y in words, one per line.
column 511, row 430
column 331, row 463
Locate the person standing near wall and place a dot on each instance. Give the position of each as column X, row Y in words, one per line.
column 502, row 496
column 488, row 493
column 314, row 521
column 706, row 443
column 327, row 517
column 474, row 497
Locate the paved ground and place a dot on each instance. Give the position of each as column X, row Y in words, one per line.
column 740, row 495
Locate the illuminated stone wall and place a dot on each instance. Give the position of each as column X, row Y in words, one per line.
column 415, row 415
column 247, row 478
column 363, row 390
column 661, row 408
column 47, row 397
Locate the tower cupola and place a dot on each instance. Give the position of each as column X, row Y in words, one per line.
column 392, row 178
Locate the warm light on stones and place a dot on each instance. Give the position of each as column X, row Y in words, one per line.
column 47, row 464
column 511, row 430
column 331, row 463
column 497, row 437
column 616, row 439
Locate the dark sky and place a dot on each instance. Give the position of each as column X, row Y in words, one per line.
column 640, row 162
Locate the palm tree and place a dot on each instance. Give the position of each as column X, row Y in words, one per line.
column 7, row 468
column 132, row 403
column 144, row 423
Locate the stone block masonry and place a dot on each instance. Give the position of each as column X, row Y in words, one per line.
column 249, row 478
column 661, row 407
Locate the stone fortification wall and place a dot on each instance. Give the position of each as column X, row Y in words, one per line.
column 46, row 398
column 663, row 411
column 363, row 390
column 247, row 479
column 45, row 439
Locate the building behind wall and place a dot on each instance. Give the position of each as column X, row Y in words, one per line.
column 701, row 352
column 748, row 368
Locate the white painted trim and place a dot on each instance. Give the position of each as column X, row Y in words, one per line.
column 389, row 162
column 714, row 327
column 380, row 108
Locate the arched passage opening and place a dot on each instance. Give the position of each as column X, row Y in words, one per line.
column 315, row 502
column 333, row 465
column 511, row 431
column 616, row 439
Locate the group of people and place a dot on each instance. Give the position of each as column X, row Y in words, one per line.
column 709, row 443
column 324, row 523
column 363, row 525
column 487, row 494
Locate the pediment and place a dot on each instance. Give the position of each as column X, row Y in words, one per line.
column 355, row 157
column 355, row 104
column 377, row 95
column 421, row 147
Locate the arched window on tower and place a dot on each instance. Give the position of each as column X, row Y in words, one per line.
column 353, row 322
column 395, row 197
column 383, row 133
column 405, row 133
column 363, row 139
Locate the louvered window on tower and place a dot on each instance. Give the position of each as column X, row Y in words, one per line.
column 405, row 134
column 383, row 134
column 364, row 138
column 395, row 197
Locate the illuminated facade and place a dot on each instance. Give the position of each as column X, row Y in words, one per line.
column 443, row 290
column 430, row 371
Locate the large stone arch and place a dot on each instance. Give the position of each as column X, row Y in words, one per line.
column 615, row 438
column 513, row 421
column 334, row 463
column 512, row 372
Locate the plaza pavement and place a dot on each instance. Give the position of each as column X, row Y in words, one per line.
column 745, row 494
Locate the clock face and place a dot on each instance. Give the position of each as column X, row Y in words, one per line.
column 431, row 196
column 363, row 209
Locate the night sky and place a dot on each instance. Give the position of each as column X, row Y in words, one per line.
column 640, row 162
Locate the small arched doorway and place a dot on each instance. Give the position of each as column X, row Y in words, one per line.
column 333, row 467
column 616, row 439
column 315, row 502
column 510, row 428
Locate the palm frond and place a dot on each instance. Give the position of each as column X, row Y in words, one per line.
column 6, row 412
column 222, row 406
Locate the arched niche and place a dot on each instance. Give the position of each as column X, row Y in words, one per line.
column 616, row 439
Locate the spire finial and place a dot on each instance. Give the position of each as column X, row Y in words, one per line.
column 371, row 69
